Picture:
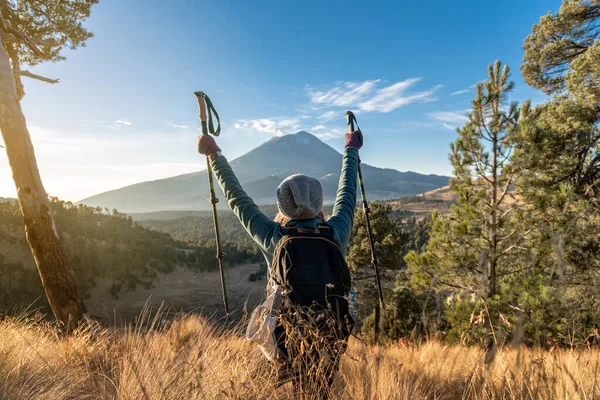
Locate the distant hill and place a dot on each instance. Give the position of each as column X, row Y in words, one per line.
column 424, row 204
column 439, row 200
column 260, row 171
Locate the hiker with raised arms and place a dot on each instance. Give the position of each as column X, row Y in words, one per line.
column 306, row 253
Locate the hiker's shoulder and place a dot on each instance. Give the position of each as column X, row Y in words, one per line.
column 311, row 227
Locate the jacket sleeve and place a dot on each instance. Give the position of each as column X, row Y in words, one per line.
column 263, row 230
column 345, row 200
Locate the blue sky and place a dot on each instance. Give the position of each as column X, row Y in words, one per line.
column 124, row 109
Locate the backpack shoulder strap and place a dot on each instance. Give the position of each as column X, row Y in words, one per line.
column 325, row 231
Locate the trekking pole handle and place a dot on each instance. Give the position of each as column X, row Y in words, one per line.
column 350, row 118
column 202, row 108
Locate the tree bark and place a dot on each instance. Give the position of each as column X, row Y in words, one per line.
column 58, row 280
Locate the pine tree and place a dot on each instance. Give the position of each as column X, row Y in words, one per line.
column 563, row 51
column 473, row 242
column 33, row 31
column 562, row 57
column 473, row 252
column 390, row 241
column 558, row 154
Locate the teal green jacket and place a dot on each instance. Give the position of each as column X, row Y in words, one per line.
column 266, row 232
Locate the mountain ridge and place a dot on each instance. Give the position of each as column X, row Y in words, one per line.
column 260, row 171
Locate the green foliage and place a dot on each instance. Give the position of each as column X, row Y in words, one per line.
column 559, row 161
column 388, row 235
column 418, row 235
column 19, row 285
column 199, row 229
column 34, row 31
column 409, row 313
column 558, row 151
column 103, row 244
column 518, row 259
column 50, row 25
column 469, row 250
column 563, row 51
column 485, row 256
column 390, row 243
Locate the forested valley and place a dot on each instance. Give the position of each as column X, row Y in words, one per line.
column 100, row 243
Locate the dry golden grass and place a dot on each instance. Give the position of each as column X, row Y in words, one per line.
column 191, row 359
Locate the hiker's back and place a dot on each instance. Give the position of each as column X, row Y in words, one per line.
column 314, row 319
column 309, row 264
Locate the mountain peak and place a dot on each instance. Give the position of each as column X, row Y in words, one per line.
column 261, row 171
column 300, row 139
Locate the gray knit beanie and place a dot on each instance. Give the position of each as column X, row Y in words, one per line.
column 300, row 197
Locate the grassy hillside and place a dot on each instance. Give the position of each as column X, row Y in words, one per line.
column 190, row 358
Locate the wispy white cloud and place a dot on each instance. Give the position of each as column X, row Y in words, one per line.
column 329, row 133
column 288, row 122
column 318, row 128
column 463, row 91
column 118, row 124
column 343, row 93
column 273, row 126
column 449, row 126
column 328, row 116
column 450, row 117
column 459, row 92
column 367, row 96
column 172, row 125
column 393, row 97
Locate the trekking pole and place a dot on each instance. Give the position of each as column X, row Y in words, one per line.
column 203, row 103
column 351, row 121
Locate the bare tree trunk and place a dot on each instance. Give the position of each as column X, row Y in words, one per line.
column 57, row 278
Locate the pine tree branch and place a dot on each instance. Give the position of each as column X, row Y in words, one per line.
column 590, row 172
column 8, row 38
column 35, row 76
column 478, row 168
column 514, row 272
column 487, row 239
column 509, row 248
column 505, row 213
column 505, row 156
column 510, row 180
column 15, row 35
column 436, row 280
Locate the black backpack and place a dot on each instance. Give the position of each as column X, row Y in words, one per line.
column 309, row 264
